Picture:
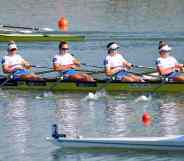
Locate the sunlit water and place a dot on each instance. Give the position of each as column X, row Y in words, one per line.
column 137, row 25
column 26, row 120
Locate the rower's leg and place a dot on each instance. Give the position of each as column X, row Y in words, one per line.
column 75, row 77
column 179, row 78
column 137, row 78
column 30, row 77
column 82, row 77
column 87, row 77
column 132, row 78
column 127, row 79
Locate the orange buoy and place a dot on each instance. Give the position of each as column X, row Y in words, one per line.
column 63, row 24
column 146, row 118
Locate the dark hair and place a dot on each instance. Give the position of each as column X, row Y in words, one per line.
column 61, row 44
column 109, row 44
column 161, row 44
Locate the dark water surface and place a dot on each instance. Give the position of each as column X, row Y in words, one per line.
column 137, row 25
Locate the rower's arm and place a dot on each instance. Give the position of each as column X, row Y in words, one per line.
column 77, row 62
column 164, row 71
column 7, row 68
column 179, row 66
column 26, row 64
column 127, row 64
column 111, row 71
column 59, row 67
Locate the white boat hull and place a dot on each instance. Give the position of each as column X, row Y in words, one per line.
column 151, row 143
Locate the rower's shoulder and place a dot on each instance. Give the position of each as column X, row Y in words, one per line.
column 56, row 56
column 172, row 58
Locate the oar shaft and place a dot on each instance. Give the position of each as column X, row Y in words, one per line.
column 44, row 72
column 141, row 66
column 37, row 66
column 135, row 66
column 21, row 27
column 27, row 28
column 88, row 65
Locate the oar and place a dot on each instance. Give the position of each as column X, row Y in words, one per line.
column 88, row 65
column 28, row 28
column 34, row 66
column 94, row 66
column 141, row 66
column 9, row 77
column 134, row 66
column 91, row 71
column 37, row 66
column 44, row 72
column 52, row 70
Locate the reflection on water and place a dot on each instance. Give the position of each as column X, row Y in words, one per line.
column 169, row 118
column 113, row 154
column 19, row 126
column 68, row 114
column 116, row 119
column 110, row 117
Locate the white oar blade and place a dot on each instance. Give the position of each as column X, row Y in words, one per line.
column 92, row 96
column 47, row 29
column 25, row 31
column 142, row 98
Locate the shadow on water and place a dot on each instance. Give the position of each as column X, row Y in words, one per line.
column 109, row 154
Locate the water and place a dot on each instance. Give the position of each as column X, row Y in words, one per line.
column 137, row 25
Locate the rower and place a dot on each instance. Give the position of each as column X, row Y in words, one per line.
column 167, row 66
column 67, row 65
column 15, row 65
column 116, row 66
column 55, row 133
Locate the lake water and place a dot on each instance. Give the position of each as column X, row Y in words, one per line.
column 137, row 25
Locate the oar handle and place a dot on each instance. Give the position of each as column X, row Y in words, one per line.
column 89, row 65
column 141, row 66
column 37, row 66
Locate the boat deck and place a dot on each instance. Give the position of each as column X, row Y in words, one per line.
column 54, row 84
column 41, row 37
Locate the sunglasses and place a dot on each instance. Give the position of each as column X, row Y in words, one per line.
column 65, row 48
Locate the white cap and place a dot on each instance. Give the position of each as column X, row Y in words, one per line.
column 114, row 46
column 12, row 46
column 165, row 48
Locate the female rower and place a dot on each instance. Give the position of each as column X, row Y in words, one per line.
column 168, row 66
column 116, row 66
column 67, row 65
column 14, row 64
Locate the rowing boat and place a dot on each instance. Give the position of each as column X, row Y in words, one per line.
column 175, row 142
column 40, row 37
column 55, row 84
column 148, row 143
